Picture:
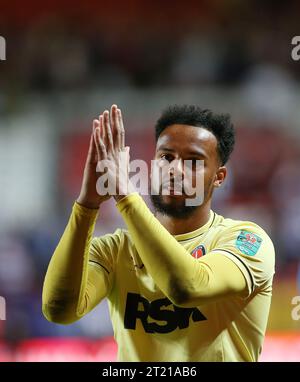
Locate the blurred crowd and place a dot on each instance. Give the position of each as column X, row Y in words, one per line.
column 143, row 46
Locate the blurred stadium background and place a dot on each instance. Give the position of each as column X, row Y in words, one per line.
column 66, row 62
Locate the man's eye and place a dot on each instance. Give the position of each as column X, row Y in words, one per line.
column 167, row 157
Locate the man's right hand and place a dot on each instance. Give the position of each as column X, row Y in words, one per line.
column 89, row 196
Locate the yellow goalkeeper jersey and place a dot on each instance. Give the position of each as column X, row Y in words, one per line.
column 149, row 327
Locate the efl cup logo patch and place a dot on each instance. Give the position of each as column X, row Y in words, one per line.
column 248, row 243
column 198, row 252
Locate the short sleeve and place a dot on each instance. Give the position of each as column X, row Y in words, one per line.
column 104, row 252
column 252, row 250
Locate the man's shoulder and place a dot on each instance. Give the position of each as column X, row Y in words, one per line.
column 116, row 237
column 120, row 237
column 226, row 225
column 243, row 237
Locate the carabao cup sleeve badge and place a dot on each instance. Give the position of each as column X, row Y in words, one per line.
column 248, row 243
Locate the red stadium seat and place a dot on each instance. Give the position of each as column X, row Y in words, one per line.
column 104, row 350
column 6, row 354
column 53, row 350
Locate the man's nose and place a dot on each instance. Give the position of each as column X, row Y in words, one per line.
column 176, row 167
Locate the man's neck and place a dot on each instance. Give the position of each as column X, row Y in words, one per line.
column 177, row 226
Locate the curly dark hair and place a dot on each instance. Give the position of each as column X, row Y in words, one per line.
column 219, row 124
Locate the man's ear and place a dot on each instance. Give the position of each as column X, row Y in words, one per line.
column 220, row 176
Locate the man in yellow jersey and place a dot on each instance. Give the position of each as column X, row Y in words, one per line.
column 184, row 284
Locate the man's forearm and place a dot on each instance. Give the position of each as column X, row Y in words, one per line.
column 67, row 272
column 164, row 258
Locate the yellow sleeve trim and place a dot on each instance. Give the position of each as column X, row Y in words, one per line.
column 78, row 209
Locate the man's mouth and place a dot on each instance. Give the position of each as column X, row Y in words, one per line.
column 173, row 188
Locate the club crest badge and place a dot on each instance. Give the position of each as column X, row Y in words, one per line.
column 198, row 252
